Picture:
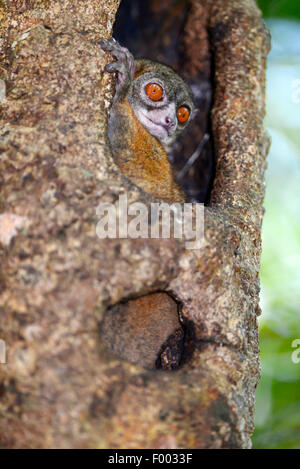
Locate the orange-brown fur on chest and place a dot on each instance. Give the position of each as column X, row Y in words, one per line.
column 142, row 158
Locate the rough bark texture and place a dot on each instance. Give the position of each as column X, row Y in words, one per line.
column 60, row 388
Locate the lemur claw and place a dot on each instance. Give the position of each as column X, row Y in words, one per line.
column 108, row 44
column 125, row 60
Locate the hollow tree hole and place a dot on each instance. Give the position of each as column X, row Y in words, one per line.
column 147, row 331
column 174, row 32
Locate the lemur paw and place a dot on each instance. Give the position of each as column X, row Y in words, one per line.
column 124, row 66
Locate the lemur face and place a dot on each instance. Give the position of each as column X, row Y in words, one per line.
column 161, row 100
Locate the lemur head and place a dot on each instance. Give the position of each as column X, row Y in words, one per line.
column 161, row 100
column 159, row 97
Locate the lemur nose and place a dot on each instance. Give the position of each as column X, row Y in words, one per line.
column 170, row 122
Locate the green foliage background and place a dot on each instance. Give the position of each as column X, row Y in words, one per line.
column 280, row 8
column 278, row 393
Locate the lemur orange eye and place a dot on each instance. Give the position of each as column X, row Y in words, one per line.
column 183, row 113
column 154, row 91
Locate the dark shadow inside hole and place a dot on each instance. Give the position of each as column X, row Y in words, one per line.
column 166, row 31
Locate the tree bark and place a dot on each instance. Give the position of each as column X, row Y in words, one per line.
column 60, row 387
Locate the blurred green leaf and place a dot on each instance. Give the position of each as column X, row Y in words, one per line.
column 280, row 8
column 277, row 417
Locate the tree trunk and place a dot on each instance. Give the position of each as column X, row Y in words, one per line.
column 60, row 387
